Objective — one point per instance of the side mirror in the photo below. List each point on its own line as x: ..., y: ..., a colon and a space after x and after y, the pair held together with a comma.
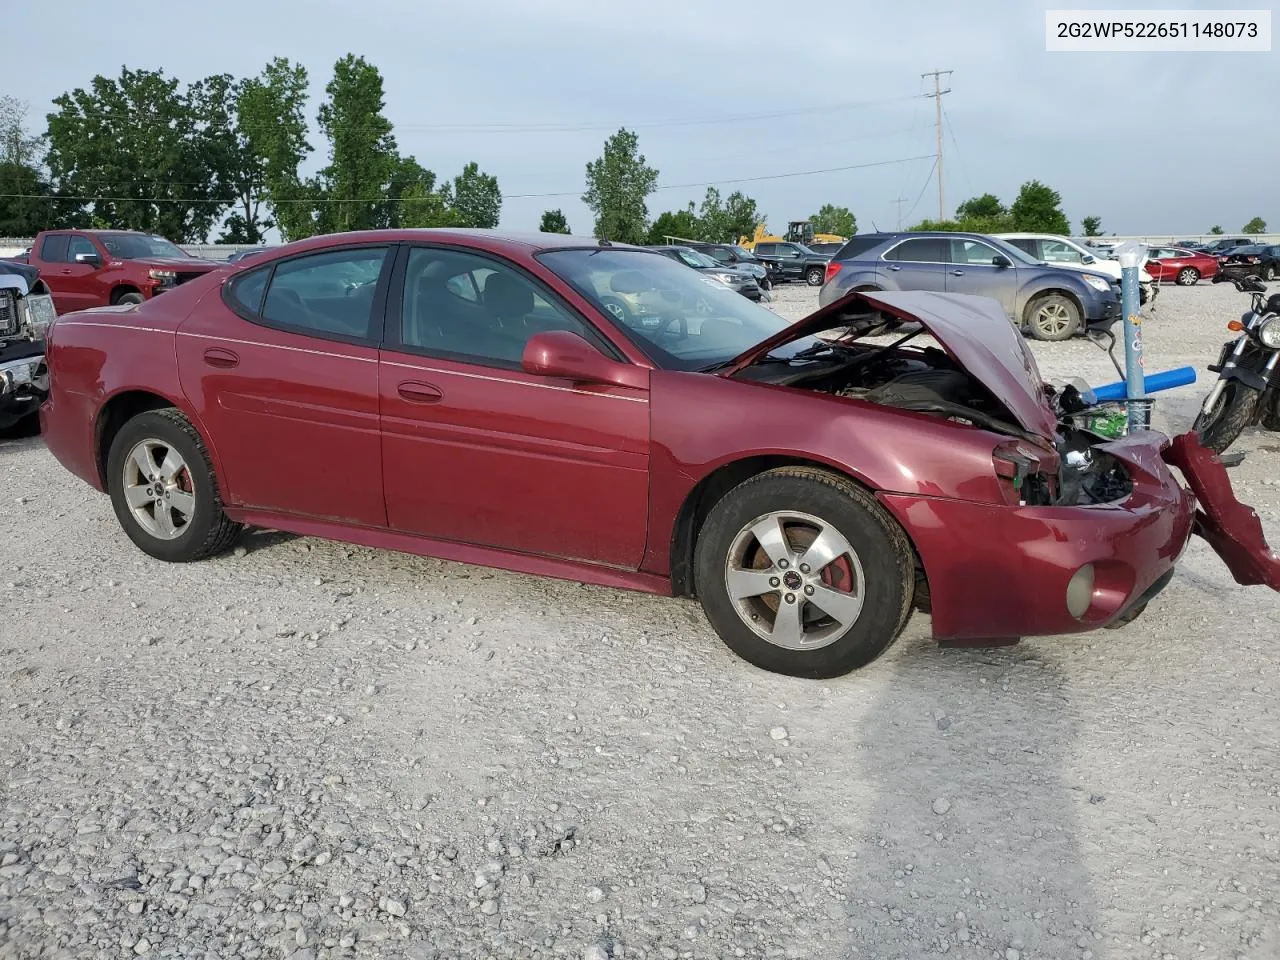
x: 1000, y: 260
x: 1088, y: 258
x: 559, y: 353
x: 90, y: 258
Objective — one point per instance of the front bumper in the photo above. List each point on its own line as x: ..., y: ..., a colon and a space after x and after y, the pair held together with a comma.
x: 24, y: 383
x: 998, y: 573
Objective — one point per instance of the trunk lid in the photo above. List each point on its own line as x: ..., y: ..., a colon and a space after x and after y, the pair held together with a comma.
x: 974, y: 331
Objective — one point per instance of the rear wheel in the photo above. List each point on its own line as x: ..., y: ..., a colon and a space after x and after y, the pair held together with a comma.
x: 163, y: 489
x: 1187, y: 277
x: 814, y: 276
x: 1053, y: 317
x: 1269, y: 272
x: 1235, y: 409
x: 801, y: 572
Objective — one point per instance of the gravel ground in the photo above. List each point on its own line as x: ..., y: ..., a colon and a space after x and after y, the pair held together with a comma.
x: 310, y: 750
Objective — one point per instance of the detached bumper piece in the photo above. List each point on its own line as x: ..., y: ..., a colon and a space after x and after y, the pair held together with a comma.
x: 1230, y: 527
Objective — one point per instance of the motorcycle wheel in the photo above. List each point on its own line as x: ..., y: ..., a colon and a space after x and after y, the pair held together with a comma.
x: 1235, y: 410
x: 1271, y: 411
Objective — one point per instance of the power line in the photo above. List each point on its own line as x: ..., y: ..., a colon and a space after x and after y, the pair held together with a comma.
x: 923, y: 189
x: 509, y: 196
x: 937, y: 100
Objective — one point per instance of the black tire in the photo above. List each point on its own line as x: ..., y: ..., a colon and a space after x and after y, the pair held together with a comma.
x: 1268, y: 272
x: 883, y: 553
x: 1235, y: 410
x: 1053, y: 318
x: 1187, y: 277
x: 815, y: 276
x: 207, y: 531
x: 132, y: 297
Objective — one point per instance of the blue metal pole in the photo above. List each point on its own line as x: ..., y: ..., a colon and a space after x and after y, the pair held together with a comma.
x: 1138, y: 406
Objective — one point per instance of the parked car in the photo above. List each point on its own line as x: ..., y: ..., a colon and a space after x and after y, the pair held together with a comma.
x: 477, y: 402
x: 252, y: 252
x: 1179, y: 265
x: 1262, y: 260
x: 731, y: 254
x: 1227, y: 244
x: 26, y: 310
x: 795, y: 261
x: 98, y: 268
x: 739, y: 279
x: 1053, y: 303
x: 1064, y: 252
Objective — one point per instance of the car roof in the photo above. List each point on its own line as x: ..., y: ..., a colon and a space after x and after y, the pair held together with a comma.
x: 494, y: 241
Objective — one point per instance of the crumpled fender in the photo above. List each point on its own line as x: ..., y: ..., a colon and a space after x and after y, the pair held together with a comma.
x: 1230, y: 527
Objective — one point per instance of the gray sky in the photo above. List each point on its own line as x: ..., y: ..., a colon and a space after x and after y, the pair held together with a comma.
x: 839, y: 81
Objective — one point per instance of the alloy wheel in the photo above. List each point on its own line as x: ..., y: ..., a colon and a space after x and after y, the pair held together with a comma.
x: 794, y: 580
x: 158, y: 489
x: 1053, y: 319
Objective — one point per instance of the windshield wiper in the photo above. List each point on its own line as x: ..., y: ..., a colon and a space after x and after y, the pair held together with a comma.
x: 805, y: 354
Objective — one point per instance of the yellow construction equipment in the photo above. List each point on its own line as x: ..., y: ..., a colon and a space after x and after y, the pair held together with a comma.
x: 798, y: 231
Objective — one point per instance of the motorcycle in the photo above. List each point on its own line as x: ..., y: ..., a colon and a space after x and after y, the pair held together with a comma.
x: 1248, y: 368
x: 26, y: 310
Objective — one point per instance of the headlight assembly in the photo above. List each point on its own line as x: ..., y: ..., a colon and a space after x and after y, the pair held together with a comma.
x: 1268, y: 333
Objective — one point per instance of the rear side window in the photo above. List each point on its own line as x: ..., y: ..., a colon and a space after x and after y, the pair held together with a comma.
x: 920, y: 250
x: 246, y: 290
x: 856, y: 247
x: 54, y: 249
x: 325, y: 293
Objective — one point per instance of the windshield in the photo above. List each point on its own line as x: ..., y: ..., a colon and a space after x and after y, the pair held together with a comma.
x: 695, y: 258
x: 137, y: 246
x: 682, y: 321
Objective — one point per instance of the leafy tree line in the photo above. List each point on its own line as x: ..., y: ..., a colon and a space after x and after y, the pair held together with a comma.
x: 143, y: 152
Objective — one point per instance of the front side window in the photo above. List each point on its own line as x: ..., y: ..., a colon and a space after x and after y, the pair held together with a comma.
x: 78, y: 245
x: 973, y: 252
x: 467, y: 306
x: 326, y: 294
x: 679, y: 318
x: 720, y: 254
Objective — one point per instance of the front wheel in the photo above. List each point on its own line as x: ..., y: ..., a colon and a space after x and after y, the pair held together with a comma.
x: 1222, y: 424
x: 1053, y: 318
x: 163, y: 489
x: 1187, y: 277
x: 1268, y: 272
x: 801, y: 572
x: 814, y: 276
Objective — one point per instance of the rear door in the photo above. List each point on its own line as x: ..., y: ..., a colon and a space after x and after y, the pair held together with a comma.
x: 283, y: 369
x: 917, y: 263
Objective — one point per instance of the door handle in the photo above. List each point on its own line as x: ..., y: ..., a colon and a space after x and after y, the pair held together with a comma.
x: 957, y: 273
x: 415, y: 391
x: 218, y: 357
x: 894, y: 267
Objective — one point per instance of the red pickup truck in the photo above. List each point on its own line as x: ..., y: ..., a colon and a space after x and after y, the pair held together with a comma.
x: 97, y: 268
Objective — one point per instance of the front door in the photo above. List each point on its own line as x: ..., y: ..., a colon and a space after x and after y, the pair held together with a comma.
x: 919, y: 263
x: 477, y: 451
x: 973, y: 270
x: 283, y: 370
x: 74, y: 285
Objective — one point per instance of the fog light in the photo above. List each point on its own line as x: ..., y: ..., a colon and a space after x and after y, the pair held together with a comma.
x: 1080, y: 592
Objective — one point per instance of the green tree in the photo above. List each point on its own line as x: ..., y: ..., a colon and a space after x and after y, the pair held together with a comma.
x: 353, y: 189
x: 676, y: 225
x: 712, y: 224
x: 1256, y: 225
x: 1092, y: 226
x: 618, y: 184
x: 985, y: 207
x: 1216, y: 230
x: 740, y: 217
x: 271, y: 119
x: 553, y: 221
x: 1038, y: 208
x: 26, y: 204
x: 17, y: 146
x: 414, y: 200
x: 833, y: 219
x: 134, y: 150
x: 476, y: 199
x: 951, y: 226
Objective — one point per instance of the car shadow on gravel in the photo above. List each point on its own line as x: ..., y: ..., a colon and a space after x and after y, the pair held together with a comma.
x: 963, y: 820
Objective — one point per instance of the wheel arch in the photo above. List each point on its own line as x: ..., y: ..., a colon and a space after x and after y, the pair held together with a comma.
x: 125, y: 404
x: 1049, y: 292
x: 120, y: 289
x: 712, y: 488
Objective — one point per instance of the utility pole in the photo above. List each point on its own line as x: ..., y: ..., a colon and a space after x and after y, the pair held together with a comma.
x: 937, y: 101
x: 899, y: 202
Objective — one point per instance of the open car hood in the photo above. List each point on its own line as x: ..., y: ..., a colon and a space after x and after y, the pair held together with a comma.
x: 973, y: 330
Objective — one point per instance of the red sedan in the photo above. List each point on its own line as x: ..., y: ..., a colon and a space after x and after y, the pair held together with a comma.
x: 1183, y: 267
x: 480, y: 397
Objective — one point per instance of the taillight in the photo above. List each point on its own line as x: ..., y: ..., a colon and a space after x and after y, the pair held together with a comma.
x: 832, y: 269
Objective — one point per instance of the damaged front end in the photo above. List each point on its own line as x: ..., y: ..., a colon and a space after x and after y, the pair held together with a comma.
x: 26, y: 311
